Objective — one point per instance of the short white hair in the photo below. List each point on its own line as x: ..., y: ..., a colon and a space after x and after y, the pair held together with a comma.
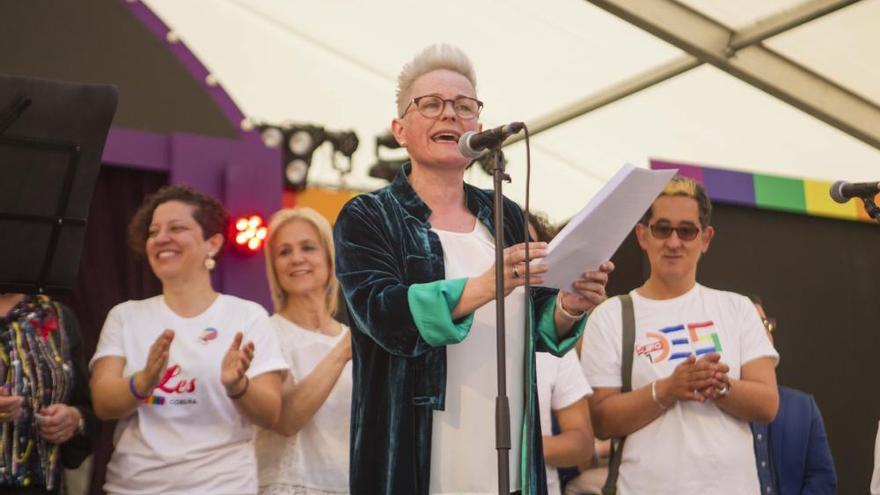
x: 434, y: 57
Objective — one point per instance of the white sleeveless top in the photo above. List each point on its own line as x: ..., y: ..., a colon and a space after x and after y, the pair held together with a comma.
x: 463, y: 455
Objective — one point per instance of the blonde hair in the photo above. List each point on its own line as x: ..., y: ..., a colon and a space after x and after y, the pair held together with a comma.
x: 325, y: 234
x: 689, y: 188
x: 434, y: 57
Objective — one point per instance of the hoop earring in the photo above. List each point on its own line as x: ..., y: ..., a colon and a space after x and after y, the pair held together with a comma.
x: 210, y: 264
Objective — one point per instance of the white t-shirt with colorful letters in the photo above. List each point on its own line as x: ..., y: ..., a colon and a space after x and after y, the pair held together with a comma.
x: 692, y: 448
x: 187, y: 437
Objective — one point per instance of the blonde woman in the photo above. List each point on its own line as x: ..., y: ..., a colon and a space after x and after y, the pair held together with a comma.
x: 306, y: 452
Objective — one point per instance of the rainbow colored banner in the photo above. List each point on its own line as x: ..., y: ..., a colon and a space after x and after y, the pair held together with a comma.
x: 772, y: 192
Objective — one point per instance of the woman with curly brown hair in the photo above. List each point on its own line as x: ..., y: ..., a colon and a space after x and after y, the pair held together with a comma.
x: 172, y: 368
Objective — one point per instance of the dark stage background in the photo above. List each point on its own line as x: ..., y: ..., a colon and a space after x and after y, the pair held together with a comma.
x: 816, y: 276
x: 109, y: 273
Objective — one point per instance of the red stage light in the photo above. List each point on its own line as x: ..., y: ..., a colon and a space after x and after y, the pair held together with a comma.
x: 248, y: 233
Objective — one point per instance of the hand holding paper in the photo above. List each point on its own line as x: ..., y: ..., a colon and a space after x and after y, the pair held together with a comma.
x: 595, y: 233
x: 589, y: 290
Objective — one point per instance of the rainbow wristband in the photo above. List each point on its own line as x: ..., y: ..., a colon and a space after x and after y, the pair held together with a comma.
x: 134, y: 391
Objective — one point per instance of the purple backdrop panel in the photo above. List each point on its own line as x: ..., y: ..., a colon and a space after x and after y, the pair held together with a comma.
x: 137, y: 149
x: 200, y: 161
x: 729, y: 186
x: 246, y: 177
x: 686, y: 170
x: 246, y: 192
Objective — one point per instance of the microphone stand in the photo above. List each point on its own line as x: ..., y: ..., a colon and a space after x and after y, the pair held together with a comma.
x: 872, y: 208
x: 502, y: 404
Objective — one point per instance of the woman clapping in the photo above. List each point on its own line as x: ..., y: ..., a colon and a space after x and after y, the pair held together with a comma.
x: 173, y: 370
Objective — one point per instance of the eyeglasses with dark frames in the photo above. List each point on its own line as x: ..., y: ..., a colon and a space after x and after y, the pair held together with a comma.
x: 684, y: 232
x: 432, y: 106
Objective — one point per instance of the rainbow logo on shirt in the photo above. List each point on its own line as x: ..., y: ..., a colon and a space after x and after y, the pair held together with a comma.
x: 208, y: 335
x: 703, y: 339
x: 155, y: 400
x: 179, y: 389
x: 679, y: 342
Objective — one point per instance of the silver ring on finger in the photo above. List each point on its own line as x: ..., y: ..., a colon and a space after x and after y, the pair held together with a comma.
x: 515, y: 272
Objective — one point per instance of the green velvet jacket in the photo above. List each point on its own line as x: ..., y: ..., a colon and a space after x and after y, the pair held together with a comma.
x: 390, y: 266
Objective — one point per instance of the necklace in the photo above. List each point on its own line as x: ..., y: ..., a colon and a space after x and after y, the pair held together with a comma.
x: 34, y: 364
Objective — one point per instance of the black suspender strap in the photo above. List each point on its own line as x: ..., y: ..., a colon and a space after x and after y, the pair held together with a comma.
x: 627, y: 345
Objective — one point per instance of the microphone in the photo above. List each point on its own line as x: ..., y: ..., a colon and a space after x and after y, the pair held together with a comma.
x: 842, y: 191
x: 472, y: 144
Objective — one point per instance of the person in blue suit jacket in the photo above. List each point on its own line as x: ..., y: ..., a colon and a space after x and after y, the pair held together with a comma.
x: 792, y: 452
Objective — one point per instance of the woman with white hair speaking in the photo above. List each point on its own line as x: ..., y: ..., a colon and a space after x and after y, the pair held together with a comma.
x: 416, y: 264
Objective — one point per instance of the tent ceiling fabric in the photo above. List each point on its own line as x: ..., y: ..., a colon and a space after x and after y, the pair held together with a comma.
x: 335, y: 63
x: 842, y: 46
x: 742, y: 13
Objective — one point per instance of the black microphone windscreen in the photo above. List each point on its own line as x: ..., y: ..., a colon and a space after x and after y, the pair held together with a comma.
x: 837, y: 192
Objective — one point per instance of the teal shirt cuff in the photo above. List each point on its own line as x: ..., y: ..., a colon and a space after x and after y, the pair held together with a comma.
x: 547, y: 330
x: 431, y: 307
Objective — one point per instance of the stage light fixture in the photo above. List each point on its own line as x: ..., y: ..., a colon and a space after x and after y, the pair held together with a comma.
x: 345, y: 142
x: 298, y: 143
x: 387, y: 140
x: 248, y: 233
x: 301, y: 142
x: 386, y: 169
x: 272, y: 137
x: 295, y: 172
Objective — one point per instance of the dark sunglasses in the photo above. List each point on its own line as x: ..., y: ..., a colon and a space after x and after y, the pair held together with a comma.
x: 684, y: 232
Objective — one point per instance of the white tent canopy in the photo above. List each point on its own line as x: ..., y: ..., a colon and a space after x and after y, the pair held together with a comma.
x: 334, y: 63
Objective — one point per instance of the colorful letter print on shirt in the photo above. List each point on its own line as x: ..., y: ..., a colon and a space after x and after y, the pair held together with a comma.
x: 679, y: 342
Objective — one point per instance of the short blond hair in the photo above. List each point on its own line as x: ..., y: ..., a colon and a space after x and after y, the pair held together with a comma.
x: 689, y: 188
x: 325, y: 235
x: 434, y: 57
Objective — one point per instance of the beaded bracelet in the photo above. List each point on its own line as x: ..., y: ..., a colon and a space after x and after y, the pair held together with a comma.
x: 134, y: 390
x: 566, y: 313
x: 239, y: 395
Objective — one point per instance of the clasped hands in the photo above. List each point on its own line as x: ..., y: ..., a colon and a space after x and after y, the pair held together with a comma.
x: 56, y: 423
x: 694, y: 379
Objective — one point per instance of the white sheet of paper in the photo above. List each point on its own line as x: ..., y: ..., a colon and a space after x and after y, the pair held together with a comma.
x: 594, y: 234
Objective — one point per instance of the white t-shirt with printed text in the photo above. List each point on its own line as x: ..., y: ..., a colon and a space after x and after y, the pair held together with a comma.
x: 692, y: 448
x: 463, y: 454
x: 561, y: 383
x: 315, y: 460
x: 188, y: 437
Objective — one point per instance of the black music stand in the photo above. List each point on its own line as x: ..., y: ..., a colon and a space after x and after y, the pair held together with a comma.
x: 52, y: 135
